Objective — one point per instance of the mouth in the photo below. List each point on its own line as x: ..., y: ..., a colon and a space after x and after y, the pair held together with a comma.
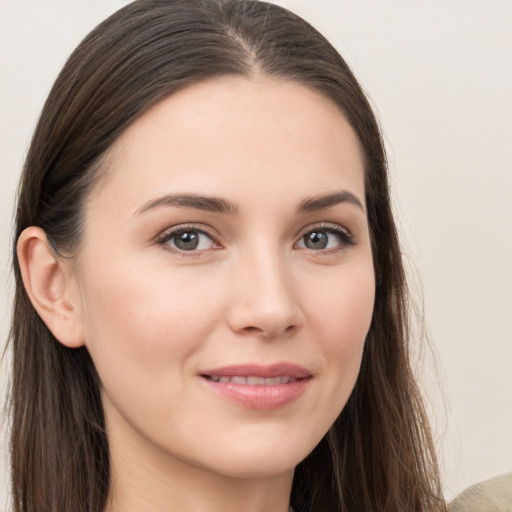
x: 253, y: 380
x: 259, y: 387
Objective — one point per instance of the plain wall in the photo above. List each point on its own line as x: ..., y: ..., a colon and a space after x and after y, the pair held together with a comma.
x: 440, y: 75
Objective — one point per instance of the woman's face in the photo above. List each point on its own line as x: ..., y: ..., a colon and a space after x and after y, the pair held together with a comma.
x: 225, y: 284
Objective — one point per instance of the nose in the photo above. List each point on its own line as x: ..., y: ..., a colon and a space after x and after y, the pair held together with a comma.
x: 264, y: 301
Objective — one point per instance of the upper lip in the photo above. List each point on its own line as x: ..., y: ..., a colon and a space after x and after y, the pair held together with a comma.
x: 255, y: 370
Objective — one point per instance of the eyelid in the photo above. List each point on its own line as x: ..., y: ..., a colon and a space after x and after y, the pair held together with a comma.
x: 343, y: 232
x: 333, y: 226
x: 168, y: 233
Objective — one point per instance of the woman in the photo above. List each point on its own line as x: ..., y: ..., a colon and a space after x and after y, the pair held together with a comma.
x: 210, y: 307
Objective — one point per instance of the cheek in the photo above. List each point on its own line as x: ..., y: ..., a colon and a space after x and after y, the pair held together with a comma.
x: 344, y: 310
x: 143, y: 318
x: 343, y: 314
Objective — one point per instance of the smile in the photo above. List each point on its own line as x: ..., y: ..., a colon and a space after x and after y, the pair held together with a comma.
x: 259, y: 387
x: 253, y: 380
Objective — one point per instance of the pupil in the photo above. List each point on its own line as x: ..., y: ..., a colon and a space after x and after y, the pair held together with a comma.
x: 316, y: 240
x: 187, y: 241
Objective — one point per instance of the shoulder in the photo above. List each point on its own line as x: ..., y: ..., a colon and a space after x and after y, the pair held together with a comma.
x: 494, y: 495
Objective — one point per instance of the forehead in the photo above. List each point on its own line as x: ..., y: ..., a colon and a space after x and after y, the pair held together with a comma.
x: 236, y: 136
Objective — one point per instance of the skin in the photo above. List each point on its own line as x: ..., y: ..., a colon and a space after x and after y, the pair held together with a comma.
x: 154, y: 318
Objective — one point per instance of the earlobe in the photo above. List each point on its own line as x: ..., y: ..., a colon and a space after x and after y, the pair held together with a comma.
x: 46, y: 283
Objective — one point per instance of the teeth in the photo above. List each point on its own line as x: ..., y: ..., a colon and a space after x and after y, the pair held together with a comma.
x: 254, y: 381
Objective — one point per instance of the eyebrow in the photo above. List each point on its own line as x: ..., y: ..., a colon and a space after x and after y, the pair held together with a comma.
x: 313, y: 204
x: 219, y: 205
x: 206, y: 203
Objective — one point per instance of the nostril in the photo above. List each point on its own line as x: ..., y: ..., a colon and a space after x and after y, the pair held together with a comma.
x: 253, y: 329
x: 260, y: 315
x: 269, y: 332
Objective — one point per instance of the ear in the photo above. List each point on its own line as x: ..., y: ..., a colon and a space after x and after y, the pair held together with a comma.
x: 47, y: 282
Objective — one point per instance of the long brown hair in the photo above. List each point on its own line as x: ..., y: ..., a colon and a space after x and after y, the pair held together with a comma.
x: 378, y: 456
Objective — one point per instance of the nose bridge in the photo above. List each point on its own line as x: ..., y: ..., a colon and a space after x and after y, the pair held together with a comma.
x: 264, y: 300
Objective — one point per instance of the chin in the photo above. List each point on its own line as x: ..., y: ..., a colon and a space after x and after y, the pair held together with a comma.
x: 259, y: 460
x: 257, y: 467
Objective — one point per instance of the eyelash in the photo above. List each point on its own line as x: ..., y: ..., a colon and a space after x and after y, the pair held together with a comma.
x: 167, y: 236
x: 346, y: 239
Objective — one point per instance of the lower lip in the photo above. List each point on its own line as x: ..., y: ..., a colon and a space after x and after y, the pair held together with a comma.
x: 260, y: 397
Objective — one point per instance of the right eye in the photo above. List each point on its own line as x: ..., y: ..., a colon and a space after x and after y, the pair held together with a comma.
x: 188, y: 240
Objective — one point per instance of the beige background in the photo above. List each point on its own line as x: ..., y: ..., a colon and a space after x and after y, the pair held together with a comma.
x: 440, y: 75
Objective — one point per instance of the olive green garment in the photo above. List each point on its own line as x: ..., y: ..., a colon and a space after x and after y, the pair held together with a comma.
x: 494, y: 495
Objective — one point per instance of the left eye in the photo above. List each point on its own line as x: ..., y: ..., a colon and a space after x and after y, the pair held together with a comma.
x: 321, y: 239
x: 189, y: 240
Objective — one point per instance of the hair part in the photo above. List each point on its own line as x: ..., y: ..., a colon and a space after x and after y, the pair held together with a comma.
x: 379, y: 453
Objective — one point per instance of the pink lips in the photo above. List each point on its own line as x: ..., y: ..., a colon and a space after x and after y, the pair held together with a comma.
x: 259, y: 387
